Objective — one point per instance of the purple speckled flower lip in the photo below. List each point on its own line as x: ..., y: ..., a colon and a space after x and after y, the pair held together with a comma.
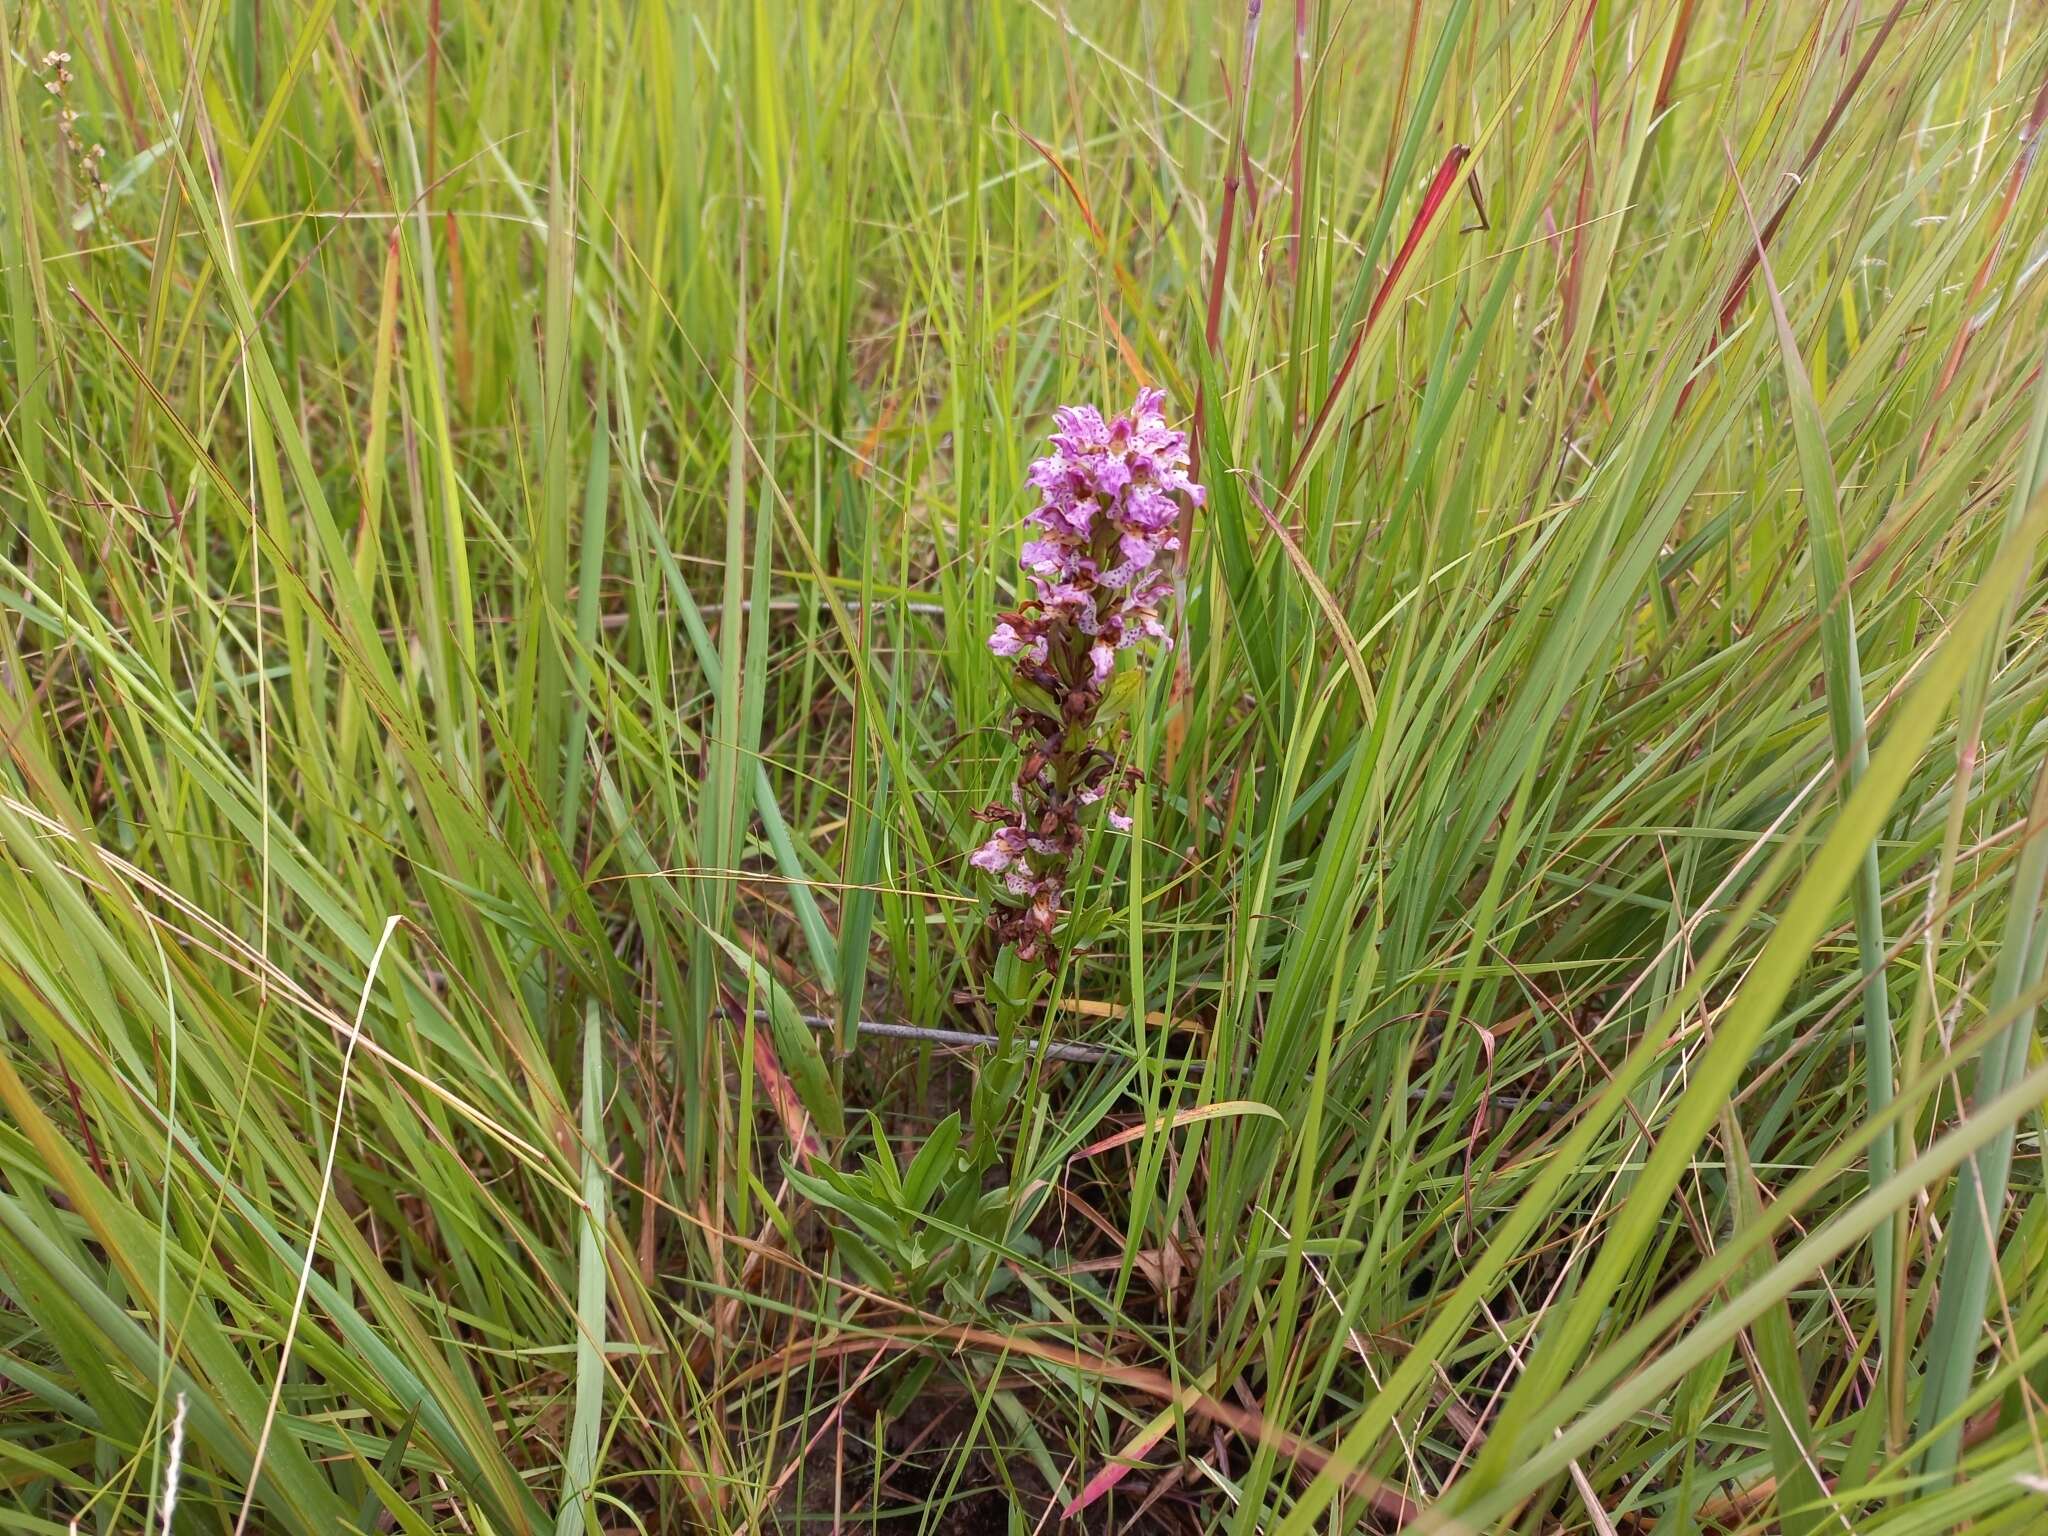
x: 1110, y: 500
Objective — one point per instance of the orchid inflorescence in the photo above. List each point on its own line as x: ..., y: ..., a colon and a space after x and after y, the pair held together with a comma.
x: 1111, y: 497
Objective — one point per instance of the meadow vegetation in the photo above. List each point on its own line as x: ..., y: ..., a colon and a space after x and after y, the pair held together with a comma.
x: 502, y: 509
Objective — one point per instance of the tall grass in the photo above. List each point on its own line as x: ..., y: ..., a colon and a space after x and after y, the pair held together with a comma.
x: 503, y: 508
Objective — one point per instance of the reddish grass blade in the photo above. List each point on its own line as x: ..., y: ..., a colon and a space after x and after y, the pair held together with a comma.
x: 1115, y: 1470
x: 1744, y: 273
x: 1066, y: 176
x: 1440, y: 188
x: 1124, y: 281
x: 1681, y: 34
x: 781, y: 1091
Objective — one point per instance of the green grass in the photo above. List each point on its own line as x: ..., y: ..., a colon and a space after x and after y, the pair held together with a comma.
x: 500, y: 527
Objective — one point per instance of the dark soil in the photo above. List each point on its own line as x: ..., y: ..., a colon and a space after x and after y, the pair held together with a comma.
x: 925, y: 1490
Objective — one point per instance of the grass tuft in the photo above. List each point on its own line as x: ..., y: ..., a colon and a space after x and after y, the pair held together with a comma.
x: 500, y: 513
